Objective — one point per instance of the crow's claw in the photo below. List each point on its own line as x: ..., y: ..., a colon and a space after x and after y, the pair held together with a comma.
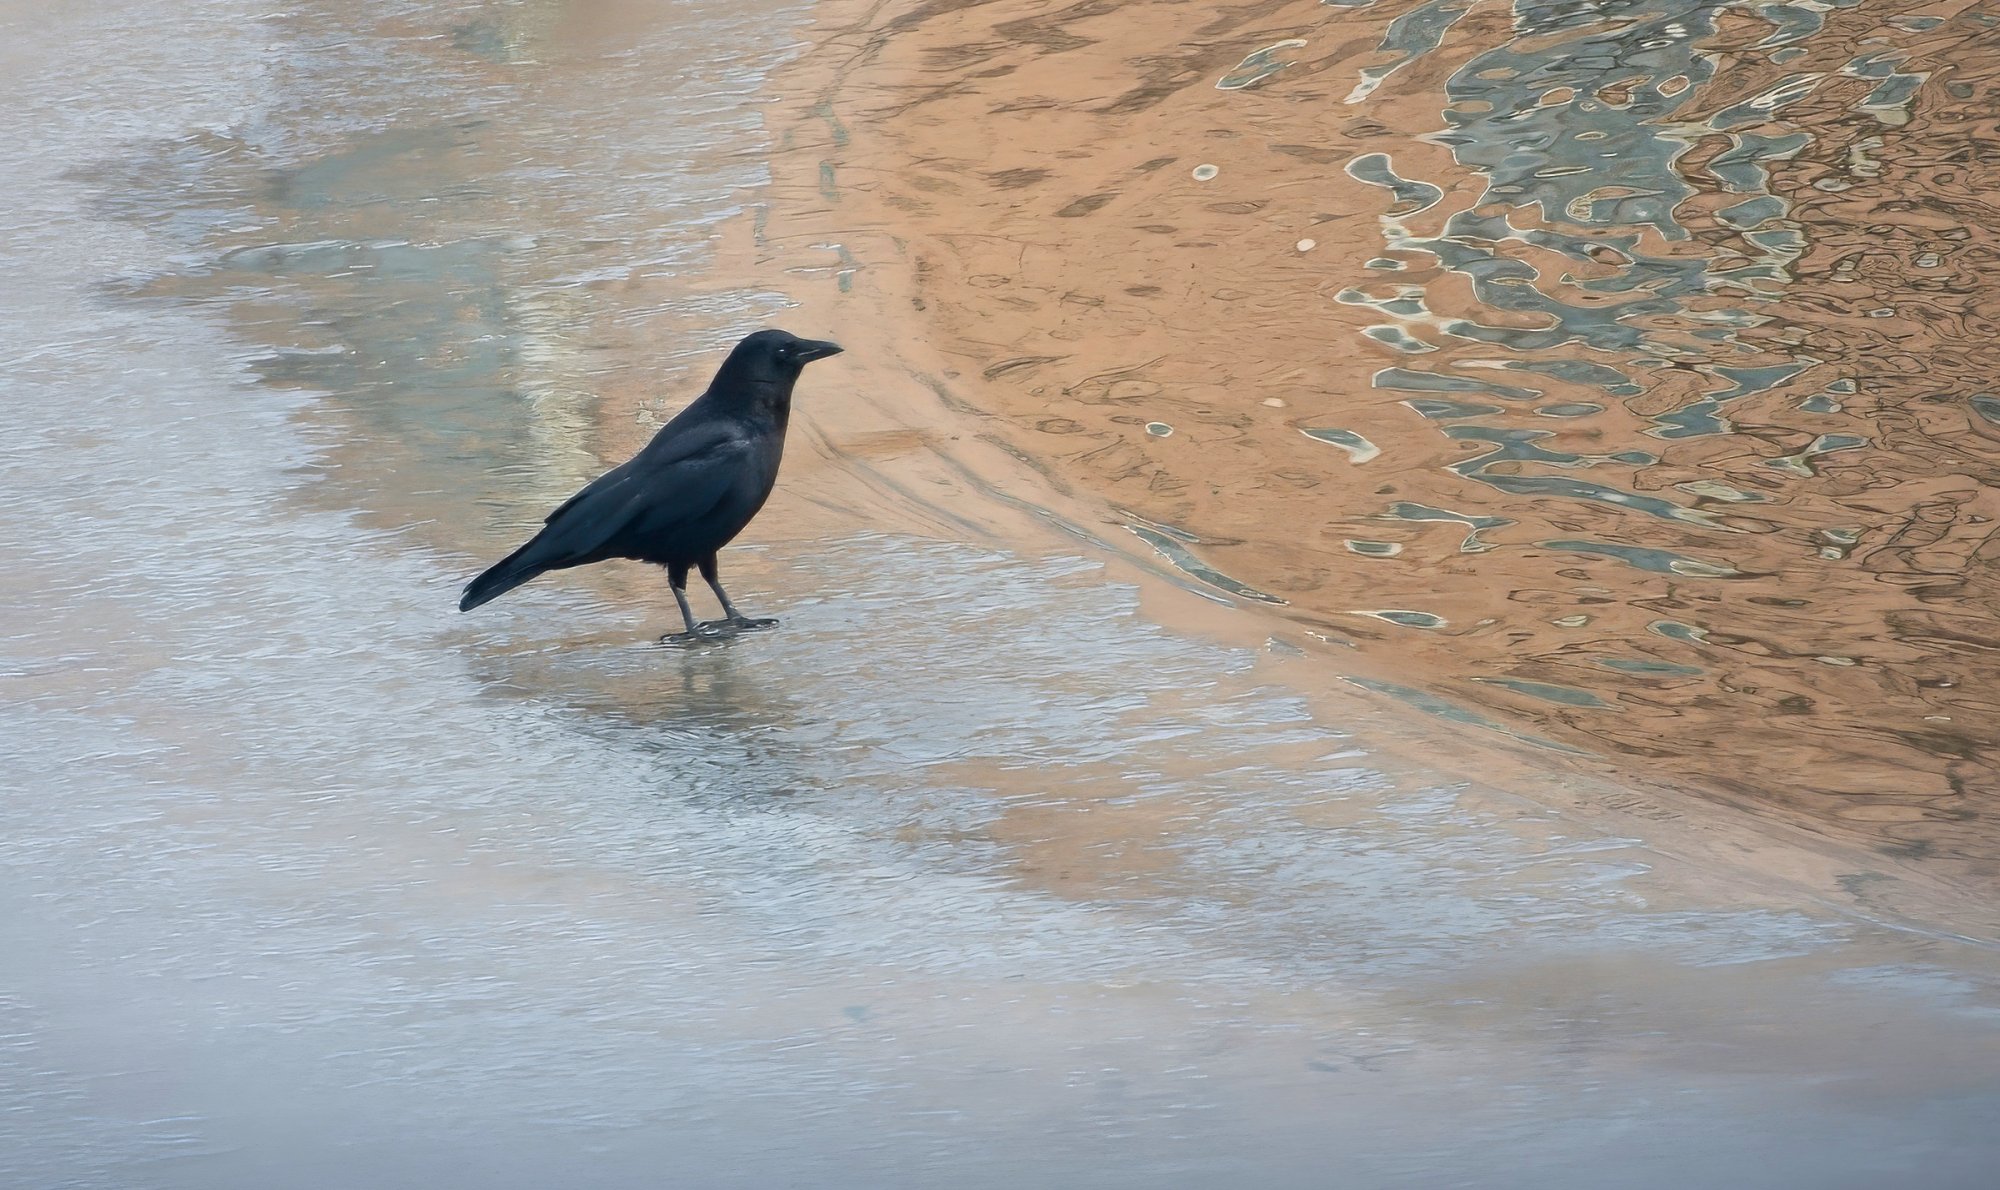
x: 702, y: 635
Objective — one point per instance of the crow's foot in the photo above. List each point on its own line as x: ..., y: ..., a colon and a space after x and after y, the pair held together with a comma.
x: 735, y: 624
x: 705, y: 634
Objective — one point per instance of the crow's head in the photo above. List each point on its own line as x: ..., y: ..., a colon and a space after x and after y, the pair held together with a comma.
x: 772, y: 357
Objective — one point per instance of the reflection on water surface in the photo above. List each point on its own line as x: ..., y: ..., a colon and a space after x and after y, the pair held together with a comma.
x: 1638, y: 353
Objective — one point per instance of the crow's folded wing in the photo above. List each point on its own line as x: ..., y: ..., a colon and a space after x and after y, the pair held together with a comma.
x: 670, y: 483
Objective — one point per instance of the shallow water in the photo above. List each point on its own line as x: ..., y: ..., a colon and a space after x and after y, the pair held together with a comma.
x: 970, y: 871
x: 1637, y: 240
x: 1633, y: 351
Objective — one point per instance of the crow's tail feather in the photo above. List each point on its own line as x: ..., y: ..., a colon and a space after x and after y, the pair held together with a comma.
x: 500, y: 578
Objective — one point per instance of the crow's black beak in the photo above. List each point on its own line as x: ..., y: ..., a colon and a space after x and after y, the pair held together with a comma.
x: 812, y: 349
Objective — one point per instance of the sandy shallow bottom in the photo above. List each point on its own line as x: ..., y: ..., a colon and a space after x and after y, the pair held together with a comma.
x: 1003, y: 862
x: 1617, y: 374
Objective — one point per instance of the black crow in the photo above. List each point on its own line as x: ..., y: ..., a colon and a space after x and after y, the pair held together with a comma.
x: 687, y: 494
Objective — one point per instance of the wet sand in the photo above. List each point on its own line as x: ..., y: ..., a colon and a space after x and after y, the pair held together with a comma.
x: 1682, y: 463
x: 1009, y: 860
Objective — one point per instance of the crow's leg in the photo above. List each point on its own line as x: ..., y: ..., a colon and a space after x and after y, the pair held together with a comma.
x: 677, y: 578
x: 735, y: 619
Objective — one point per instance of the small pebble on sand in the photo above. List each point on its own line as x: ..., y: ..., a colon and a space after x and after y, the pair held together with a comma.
x: 1203, y: 173
x: 1308, y: 245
